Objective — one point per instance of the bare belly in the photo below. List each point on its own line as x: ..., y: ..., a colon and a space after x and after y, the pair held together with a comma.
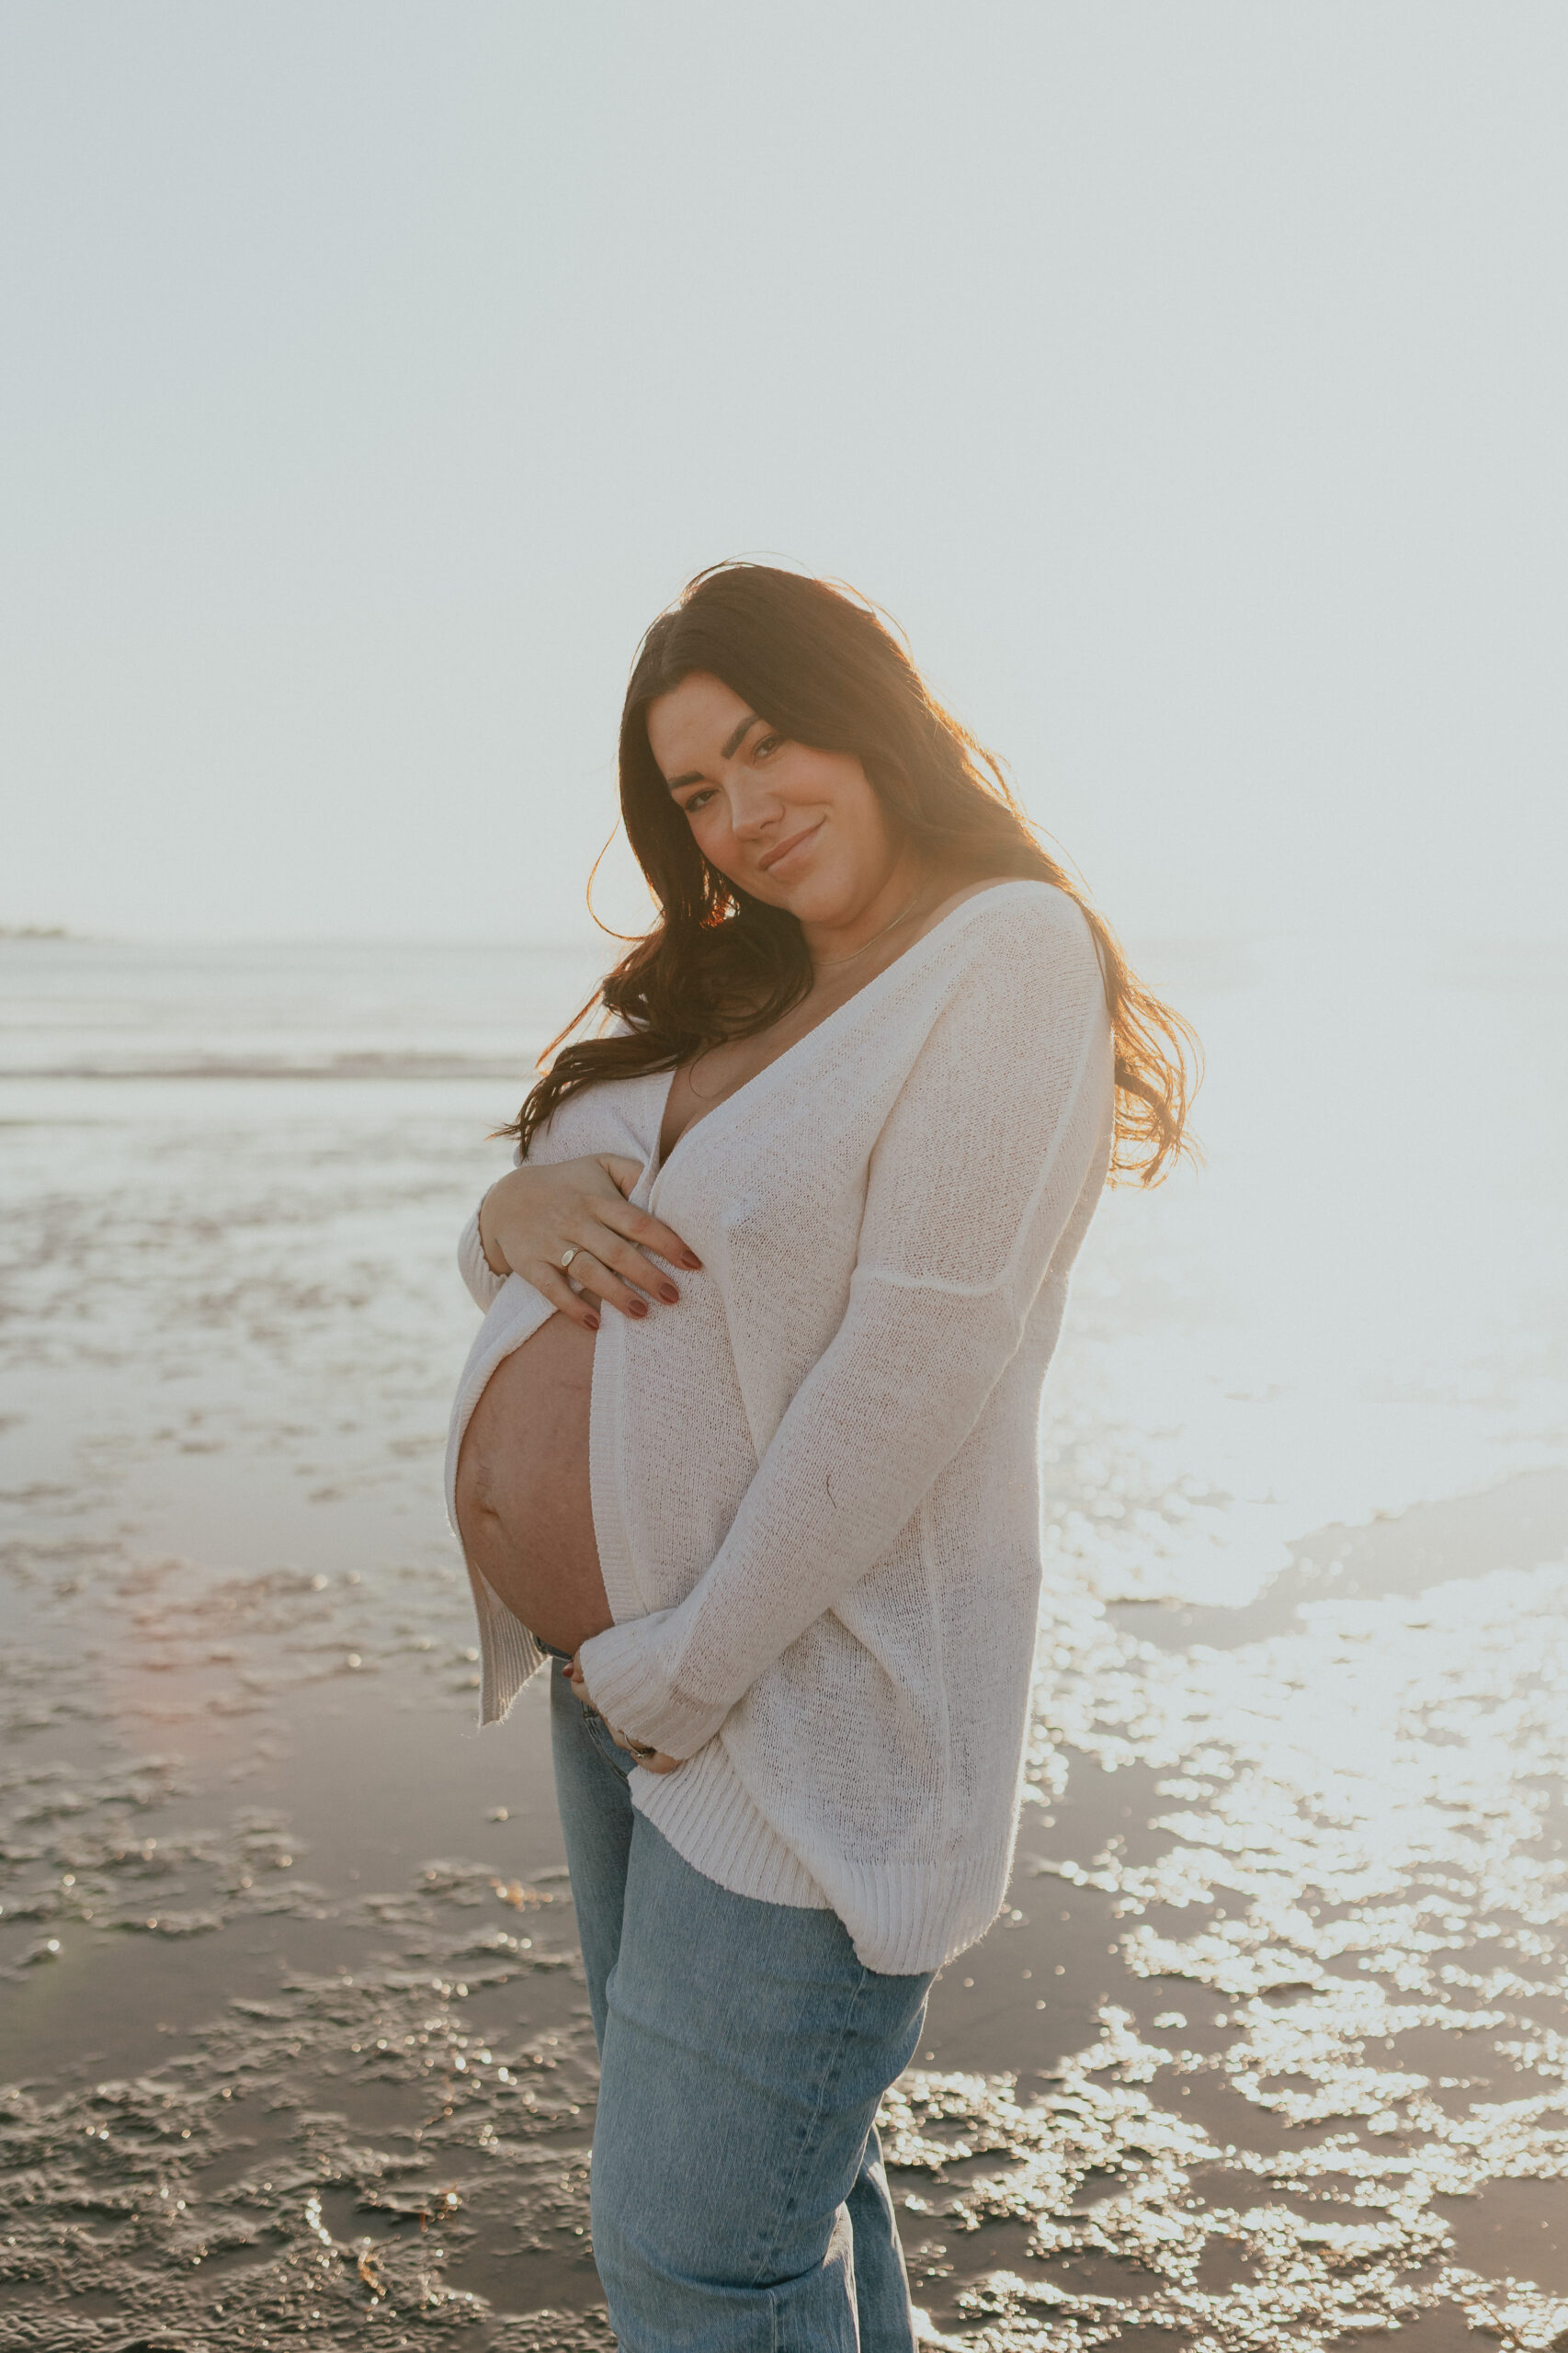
x: 524, y: 1509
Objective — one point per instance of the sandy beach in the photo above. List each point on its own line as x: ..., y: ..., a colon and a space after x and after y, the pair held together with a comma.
x: 1270, y: 2047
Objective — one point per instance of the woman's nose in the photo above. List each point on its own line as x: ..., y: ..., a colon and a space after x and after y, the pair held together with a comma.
x: 754, y: 810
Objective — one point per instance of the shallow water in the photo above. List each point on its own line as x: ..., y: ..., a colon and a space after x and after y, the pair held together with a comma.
x: 1270, y: 2046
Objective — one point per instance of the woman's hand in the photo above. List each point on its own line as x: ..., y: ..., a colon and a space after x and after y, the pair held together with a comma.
x: 652, y: 1760
x: 532, y: 1216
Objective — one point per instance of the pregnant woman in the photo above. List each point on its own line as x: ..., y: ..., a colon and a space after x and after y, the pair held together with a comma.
x: 748, y: 1439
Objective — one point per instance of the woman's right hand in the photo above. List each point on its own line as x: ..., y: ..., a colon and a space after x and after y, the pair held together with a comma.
x: 533, y: 1215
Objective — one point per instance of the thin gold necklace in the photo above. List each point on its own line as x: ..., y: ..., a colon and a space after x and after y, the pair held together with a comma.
x: 831, y: 964
x: 819, y: 964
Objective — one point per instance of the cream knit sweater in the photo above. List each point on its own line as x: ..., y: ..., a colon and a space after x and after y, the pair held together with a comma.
x: 815, y: 1487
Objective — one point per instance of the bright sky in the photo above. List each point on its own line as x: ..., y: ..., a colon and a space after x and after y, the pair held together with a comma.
x: 1190, y: 380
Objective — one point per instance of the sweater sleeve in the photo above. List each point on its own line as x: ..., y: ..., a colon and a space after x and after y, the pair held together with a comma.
x: 483, y: 1283
x: 972, y: 1182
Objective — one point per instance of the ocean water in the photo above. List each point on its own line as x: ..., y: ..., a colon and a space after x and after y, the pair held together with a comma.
x: 1270, y: 2046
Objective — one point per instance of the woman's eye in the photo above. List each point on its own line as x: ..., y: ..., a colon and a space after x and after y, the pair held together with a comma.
x: 767, y: 744
x: 696, y: 801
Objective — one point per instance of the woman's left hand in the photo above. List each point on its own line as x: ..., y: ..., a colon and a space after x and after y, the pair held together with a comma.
x: 652, y: 1760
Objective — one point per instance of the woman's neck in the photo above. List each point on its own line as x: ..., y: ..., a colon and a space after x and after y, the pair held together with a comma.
x: 885, y: 916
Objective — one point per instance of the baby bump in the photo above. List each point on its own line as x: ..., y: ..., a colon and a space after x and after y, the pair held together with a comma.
x: 523, y: 1503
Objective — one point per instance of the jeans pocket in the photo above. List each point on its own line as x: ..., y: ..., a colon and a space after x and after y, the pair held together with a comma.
x: 606, y: 1743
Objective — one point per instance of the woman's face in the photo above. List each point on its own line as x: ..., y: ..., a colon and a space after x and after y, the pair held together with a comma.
x: 794, y: 826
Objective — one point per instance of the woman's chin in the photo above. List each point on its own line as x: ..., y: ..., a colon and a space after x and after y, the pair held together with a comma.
x: 819, y: 902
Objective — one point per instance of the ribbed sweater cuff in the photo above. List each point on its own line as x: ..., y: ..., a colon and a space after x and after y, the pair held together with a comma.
x: 631, y: 1691
x: 483, y: 1283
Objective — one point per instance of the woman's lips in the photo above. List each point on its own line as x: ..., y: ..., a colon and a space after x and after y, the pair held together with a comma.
x: 786, y: 850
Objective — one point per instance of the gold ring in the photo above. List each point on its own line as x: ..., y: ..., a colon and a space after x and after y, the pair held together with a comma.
x: 567, y: 1256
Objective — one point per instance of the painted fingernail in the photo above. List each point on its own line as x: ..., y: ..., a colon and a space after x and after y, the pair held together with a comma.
x: 591, y: 1323
x: 668, y: 1293
x: 691, y: 1260
x: 638, y: 1307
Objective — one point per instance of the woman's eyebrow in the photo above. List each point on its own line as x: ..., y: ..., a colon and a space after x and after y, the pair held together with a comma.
x: 695, y: 776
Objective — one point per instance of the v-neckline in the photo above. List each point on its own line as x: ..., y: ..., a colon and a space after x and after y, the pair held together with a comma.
x: 662, y: 1159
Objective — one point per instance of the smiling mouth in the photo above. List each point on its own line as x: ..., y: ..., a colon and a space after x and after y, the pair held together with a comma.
x: 784, y: 849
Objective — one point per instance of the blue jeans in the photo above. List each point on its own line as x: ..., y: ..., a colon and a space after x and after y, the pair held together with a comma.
x: 739, y: 2203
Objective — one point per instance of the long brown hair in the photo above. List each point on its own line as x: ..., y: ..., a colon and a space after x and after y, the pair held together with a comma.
x: 821, y: 668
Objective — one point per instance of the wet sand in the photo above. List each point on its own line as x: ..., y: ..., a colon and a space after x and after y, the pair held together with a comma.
x: 1270, y: 2048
